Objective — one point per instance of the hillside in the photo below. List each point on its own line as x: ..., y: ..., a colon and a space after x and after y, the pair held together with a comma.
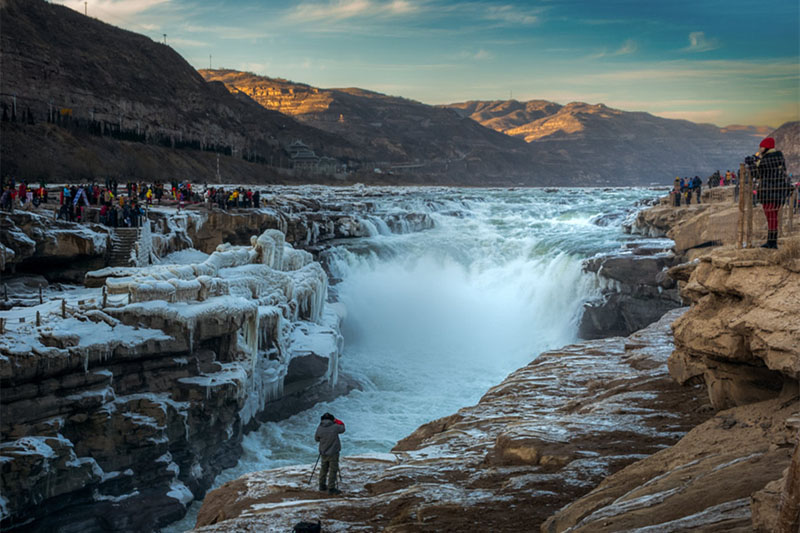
x: 120, y: 104
x: 577, y: 143
x: 390, y: 131
x: 603, y: 138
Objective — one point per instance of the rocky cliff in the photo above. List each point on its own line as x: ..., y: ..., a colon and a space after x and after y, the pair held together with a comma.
x: 635, y: 289
x: 738, y: 471
x: 136, y: 395
x: 544, y: 436
x: 123, y: 105
x: 32, y: 241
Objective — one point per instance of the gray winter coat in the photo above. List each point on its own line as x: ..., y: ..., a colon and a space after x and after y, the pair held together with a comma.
x: 328, y: 437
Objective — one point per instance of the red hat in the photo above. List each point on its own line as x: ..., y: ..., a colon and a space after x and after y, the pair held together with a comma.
x: 768, y: 143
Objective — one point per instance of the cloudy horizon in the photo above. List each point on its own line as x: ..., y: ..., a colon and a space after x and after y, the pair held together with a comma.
x: 714, y: 62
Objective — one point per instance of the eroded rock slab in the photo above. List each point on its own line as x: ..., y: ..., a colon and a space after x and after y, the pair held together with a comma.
x: 742, y: 334
x: 546, y: 435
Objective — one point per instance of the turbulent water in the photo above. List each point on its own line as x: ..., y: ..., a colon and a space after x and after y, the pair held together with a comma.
x: 435, y: 318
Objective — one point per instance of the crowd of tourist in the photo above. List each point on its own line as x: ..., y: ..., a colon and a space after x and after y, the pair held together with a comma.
x: 684, y: 189
x: 116, y: 205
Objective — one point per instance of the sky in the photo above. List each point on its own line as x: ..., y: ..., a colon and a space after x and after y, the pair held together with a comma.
x: 712, y: 61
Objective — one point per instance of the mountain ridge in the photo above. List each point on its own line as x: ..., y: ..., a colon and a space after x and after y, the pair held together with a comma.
x: 119, y: 104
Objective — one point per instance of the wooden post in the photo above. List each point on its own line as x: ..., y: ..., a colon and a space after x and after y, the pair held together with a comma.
x: 105, y: 297
x: 40, y: 295
x: 749, y: 211
x: 792, y: 205
x: 2, y: 326
x: 63, y: 308
x: 742, y: 196
x: 38, y: 319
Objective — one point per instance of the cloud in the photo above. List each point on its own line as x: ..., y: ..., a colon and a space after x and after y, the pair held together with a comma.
x: 480, y: 55
x: 628, y: 47
x: 255, y: 67
x: 112, y: 10
x: 704, y: 70
x: 698, y: 42
x: 185, y: 42
x: 338, y: 10
x: 512, y: 15
x: 705, y: 116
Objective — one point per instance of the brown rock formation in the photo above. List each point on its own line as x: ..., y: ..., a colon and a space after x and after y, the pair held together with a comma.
x: 742, y: 335
x: 544, y: 436
x: 636, y: 291
x: 738, y: 471
x: 703, y: 483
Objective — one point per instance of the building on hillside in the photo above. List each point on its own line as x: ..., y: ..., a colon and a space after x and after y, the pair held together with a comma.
x: 302, y: 156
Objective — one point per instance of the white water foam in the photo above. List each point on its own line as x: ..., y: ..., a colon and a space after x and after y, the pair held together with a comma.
x: 436, y: 318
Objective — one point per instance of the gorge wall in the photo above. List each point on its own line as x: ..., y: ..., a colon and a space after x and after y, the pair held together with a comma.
x: 135, y: 396
x: 544, y: 436
x: 741, y: 341
x: 134, y: 391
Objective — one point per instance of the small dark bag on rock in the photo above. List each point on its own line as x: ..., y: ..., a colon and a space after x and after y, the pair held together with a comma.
x: 308, y: 527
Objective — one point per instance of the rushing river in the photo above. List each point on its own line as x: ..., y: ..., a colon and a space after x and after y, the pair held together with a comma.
x: 436, y: 318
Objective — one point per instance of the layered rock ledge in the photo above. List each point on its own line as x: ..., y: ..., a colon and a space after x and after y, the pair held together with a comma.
x: 134, y: 396
x: 545, y: 436
x: 739, y: 471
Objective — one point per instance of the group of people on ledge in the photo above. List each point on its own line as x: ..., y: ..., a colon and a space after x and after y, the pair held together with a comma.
x: 774, y: 187
x: 684, y: 188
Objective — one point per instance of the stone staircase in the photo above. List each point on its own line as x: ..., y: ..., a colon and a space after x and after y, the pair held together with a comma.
x: 122, y: 242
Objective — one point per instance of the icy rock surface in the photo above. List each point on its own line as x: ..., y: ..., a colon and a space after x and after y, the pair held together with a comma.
x: 136, y: 395
x: 546, y: 435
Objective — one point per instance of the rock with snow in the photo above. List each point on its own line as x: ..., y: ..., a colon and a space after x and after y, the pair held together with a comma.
x: 135, y: 395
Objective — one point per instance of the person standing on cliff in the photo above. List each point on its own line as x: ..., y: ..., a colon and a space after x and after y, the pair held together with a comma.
x: 327, y: 435
x: 772, y: 186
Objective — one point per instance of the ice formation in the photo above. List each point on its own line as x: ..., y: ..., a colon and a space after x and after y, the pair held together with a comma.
x: 172, y: 357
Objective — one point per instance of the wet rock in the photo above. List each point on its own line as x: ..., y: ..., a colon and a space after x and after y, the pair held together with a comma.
x: 39, y: 243
x: 547, y: 434
x: 635, y: 292
x: 703, y: 483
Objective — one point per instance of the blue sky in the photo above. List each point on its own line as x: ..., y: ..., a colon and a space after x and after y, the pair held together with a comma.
x: 723, y: 62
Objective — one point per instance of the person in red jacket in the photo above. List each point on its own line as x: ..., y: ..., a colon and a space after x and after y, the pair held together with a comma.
x: 327, y: 435
x: 773, y: 187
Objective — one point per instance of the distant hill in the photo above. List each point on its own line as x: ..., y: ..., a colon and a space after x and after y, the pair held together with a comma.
x: 83, y: 100
x: 392, y: 131
x: 577, y: 143
x: 610, y: 141
x: 96, y: 100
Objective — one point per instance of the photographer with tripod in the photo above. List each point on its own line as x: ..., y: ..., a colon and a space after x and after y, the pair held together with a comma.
x: 327, y: 435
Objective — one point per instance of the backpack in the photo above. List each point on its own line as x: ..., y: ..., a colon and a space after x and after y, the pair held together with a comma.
x: 308, y: 527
